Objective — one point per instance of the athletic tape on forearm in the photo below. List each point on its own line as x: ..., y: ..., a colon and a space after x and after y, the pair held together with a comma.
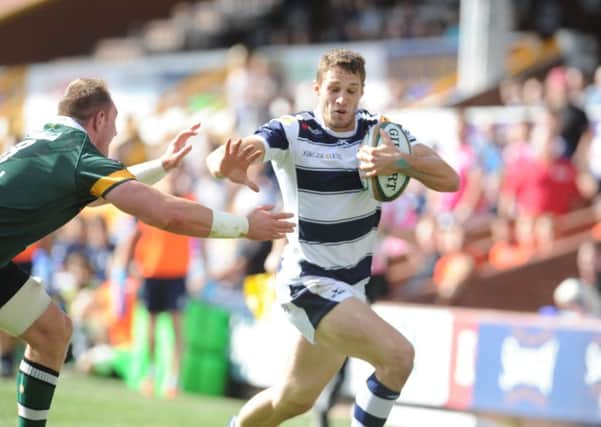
x: 149, y: 172
x: 228, y: 225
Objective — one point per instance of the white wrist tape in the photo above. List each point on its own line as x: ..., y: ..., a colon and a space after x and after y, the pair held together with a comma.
x: 228, y: 225
x: 148, y: 172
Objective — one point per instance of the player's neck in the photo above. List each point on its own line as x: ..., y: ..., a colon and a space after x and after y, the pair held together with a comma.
x: 339, y: 134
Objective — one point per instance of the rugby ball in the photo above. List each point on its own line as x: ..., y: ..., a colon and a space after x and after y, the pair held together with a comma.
x: 385, y: 188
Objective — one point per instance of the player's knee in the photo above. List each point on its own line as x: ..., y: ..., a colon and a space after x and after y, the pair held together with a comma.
x: 66, y: 331
x: 58, y: 335
x: 398, y: 362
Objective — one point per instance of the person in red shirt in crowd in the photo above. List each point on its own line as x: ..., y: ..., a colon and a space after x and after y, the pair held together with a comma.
x: 516, y: 153
x: 547, y: 183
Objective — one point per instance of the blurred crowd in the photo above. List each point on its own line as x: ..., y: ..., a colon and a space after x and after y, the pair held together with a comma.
x: 220, y: 23
x: 523, y: 178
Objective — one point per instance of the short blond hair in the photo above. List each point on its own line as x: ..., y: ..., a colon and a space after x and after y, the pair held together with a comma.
x: 346, y: 59
x: 83, y: 98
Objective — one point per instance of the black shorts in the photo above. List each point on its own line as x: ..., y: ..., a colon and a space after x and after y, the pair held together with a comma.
x: 11, y: 280
x: 164, y: 294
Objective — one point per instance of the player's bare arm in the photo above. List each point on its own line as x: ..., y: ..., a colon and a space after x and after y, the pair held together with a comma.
x: 423, y: 164
x: 232, y: 160
x: 182, y: 216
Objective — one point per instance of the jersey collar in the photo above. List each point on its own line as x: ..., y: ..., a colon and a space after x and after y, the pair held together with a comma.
x: 69, y: 122
x: 346, y: 134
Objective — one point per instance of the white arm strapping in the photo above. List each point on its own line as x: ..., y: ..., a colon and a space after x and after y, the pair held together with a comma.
x: 227, y: 225
x: 149, y: 172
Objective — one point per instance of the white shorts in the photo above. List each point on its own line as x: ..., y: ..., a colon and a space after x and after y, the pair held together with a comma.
x: 308, y: 299
x: 24, y: 308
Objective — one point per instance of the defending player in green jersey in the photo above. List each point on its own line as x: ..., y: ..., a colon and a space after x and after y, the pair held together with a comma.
x: 46, y: 179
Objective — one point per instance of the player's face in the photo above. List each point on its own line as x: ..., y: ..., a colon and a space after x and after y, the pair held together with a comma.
x: 107, y: 129
x: 338, y: 96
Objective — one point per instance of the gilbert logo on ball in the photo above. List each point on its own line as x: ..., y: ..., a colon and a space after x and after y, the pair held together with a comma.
x: 385, y: 188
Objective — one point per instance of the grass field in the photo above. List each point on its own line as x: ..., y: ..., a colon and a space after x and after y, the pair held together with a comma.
x: 82, y: 401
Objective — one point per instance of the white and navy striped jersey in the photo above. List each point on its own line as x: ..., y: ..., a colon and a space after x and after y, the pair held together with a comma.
x: 336, y: 218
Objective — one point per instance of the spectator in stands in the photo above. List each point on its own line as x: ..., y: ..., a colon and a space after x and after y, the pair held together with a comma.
x: 573, y: 124
x: 488, y: 143
x: 249, y: 87
x: 545, y: 234
x: 69, y: 238
x: 455, y: 267
x: 589, y: 264
x: 510, y: 92
x: 98, y: 245
x: 511, y: 248
x: 467, y: 202
x: 588, y: 159
x: 592, y: 95
x: 548, y: 182
x: 417, y: 271
x: 573, y: 297
x: 79, y: 282
x: 532, y: 92
x: 575, y: 86
x: 43, y: 266
x: 396, y: 231
x: 516, y: 155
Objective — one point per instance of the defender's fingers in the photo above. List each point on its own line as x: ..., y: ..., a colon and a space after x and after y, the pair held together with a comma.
x: 236, y: 146
x: 282, y: 215
x: 228, y: 147
x: 254, y: 156
x: 247, y: 150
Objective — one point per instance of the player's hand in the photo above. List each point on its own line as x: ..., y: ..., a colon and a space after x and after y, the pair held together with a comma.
x: 236, y: 161
x: 383, y: 159
x: 178, y: 148
x: 266, y: 225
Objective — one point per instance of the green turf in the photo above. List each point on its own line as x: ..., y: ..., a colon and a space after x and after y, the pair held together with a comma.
x: 82, y: 401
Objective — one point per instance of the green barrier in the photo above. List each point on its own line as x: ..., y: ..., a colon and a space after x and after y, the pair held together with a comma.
x: 206, y: 328
x: 164, y: 342
x: 205, y: 361
x: 204, y: 373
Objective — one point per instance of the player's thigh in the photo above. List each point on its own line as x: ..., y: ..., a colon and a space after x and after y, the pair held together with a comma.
x: 354, y: 329
x: 310, y: 368
x: 23, y: 299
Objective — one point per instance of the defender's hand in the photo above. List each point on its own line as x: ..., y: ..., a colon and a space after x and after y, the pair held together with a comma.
x: 178, y: 148
x: 266, y: 225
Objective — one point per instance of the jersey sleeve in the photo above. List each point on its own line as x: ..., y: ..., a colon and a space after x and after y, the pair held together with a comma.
x: 276, y: 136
x: 97, y: 174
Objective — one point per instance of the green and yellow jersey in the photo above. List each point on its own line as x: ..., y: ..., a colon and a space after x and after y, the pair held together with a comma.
x: 46, y: 179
